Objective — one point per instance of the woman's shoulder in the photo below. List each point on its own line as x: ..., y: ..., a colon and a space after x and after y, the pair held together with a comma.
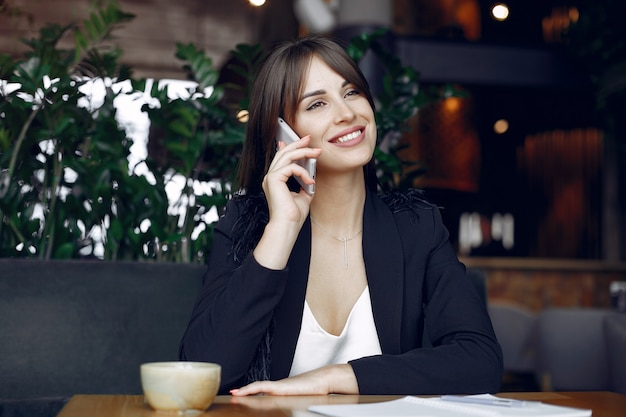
x: 243, y: 204
x: 411, y: 201
x: 248, y: 210
x: 414, y: 215
x: 244, y: 219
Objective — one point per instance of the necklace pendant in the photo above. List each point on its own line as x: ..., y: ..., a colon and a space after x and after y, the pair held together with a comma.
x: 345, y: 241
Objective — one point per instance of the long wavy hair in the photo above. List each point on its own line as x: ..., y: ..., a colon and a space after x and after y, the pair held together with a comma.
x: 276, y: 91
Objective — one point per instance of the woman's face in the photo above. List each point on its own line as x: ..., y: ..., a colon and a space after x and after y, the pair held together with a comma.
x: 339, y: 119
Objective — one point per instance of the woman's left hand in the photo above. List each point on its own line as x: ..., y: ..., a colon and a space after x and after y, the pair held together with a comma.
x: 331, y: 379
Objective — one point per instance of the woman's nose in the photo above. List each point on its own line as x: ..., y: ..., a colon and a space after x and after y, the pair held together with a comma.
x: 344, y: 113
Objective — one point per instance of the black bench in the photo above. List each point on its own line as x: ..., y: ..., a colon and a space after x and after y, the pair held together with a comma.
x: 84, y: 327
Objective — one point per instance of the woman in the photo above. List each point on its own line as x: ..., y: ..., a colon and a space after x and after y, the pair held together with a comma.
x: 331, y: 292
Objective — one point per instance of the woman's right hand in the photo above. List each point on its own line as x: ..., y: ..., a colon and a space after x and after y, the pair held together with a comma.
x: 287, y: 209
x: 290, y: 206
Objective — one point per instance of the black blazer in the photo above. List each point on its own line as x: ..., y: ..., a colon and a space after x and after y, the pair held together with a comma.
x: 415, y: 280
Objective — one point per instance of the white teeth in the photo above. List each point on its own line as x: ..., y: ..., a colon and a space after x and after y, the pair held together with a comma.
x: 348, y: 137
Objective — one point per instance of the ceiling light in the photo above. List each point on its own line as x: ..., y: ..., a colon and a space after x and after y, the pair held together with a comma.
x: 257, y: 3
x: 500, y: 11
x: 501, y: 126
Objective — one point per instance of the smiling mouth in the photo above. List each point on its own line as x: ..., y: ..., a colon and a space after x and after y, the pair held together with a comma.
x: 348, y: 137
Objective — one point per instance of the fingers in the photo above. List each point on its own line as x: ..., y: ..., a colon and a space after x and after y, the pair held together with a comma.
x: 259, y: 387
x: 285, y: 165
x: 287, y: 386
x: 339, y: 379
x: 288, y: 155
x: 267, y: 388
x: 285, y: 206
x: 309, y: 383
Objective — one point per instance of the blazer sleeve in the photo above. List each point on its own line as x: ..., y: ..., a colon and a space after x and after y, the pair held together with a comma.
x: 234, y: 307
x: 465, y: 356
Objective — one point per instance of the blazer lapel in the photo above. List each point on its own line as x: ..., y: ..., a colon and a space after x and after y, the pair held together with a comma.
x: 383, y: 255
x: 288, y: 313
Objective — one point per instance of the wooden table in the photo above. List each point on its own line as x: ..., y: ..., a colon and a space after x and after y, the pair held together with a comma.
x: 603, y: 404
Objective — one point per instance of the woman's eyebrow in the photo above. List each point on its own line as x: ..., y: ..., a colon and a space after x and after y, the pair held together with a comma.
x: 312, y: 93
x: 320, y: 92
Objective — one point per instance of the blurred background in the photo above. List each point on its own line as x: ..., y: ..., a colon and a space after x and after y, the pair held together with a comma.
x: 526, y: 164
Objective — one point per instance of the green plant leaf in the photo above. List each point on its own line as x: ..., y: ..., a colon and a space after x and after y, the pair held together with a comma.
x: 64, y: 251
x: 7, y: 66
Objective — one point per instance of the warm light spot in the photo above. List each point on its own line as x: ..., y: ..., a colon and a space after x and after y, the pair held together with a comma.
x: 501, y: 126
x: 500, y: 11
x: 257, y: 3
x: 452, y: 104
x: 573, y: 14
x: 243, y: 115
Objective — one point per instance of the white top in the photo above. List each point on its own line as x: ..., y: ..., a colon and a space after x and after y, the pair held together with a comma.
x: 316, y: 347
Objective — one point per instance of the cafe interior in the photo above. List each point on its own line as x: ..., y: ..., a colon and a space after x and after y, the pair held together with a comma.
x: 526, y: 164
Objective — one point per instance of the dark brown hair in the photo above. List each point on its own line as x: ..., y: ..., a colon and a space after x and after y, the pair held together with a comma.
x: 276, y: 91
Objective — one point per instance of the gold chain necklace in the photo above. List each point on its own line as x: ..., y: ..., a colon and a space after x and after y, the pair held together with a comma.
x: 345, y: 241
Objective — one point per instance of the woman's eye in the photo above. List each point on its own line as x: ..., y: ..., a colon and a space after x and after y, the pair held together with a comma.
x: 315, y: 105
x: 352, y: 93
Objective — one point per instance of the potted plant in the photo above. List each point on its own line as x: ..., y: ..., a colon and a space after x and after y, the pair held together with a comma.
x: 66, y: 190
x: 65, y: 184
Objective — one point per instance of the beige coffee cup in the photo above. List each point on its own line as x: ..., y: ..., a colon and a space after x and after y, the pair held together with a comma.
x: 180, y: 386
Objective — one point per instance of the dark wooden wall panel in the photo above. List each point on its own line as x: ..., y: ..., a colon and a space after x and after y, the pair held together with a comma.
x: 149, y: 41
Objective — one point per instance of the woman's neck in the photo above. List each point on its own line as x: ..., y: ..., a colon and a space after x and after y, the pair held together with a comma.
x: 338, y: 203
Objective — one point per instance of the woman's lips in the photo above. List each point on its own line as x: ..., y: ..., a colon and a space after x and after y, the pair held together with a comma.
x: 350, y: 138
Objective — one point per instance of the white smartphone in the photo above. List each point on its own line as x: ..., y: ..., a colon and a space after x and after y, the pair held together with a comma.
x: 287, y: 135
